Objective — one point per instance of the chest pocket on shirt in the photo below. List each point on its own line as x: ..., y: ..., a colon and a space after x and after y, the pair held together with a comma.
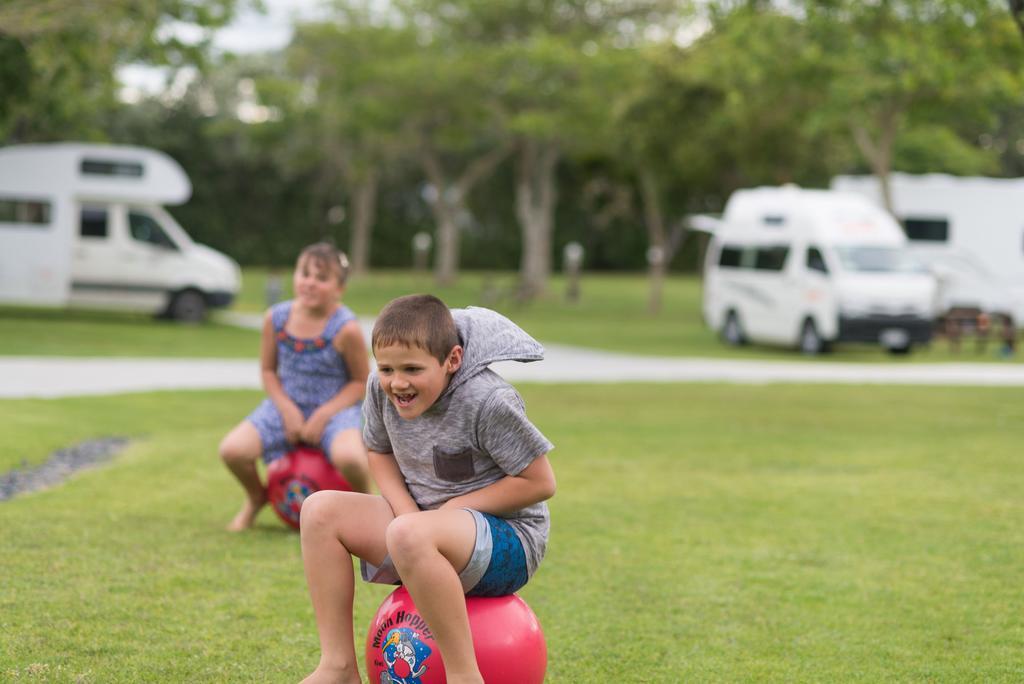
x: 454, y: 465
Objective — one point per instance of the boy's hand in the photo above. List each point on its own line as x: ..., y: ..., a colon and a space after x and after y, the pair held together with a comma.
x: 293, y: 421
x: 313, y: 430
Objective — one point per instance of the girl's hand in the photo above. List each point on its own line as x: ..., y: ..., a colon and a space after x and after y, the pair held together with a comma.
x: 293, y: 421
x: 313, y: 430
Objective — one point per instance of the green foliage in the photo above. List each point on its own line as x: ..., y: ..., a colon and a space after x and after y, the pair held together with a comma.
x: 894, y: 65
x: 771, y: 92
x: 735, y: 540
x: 769, y: 128
x: 14, y: 62
x: 925, y: 149
x: 60, y: 83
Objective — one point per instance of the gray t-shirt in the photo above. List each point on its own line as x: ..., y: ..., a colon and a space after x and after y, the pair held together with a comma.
x: 475, y: 434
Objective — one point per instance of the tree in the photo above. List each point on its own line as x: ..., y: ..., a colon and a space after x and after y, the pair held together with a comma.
x: 902, y: 64
x: 59, y: 58
x: 349, y: 109
x: 657, y: 120
x: 459, y: 139
x: 252, y: 196
x: 545, y: 60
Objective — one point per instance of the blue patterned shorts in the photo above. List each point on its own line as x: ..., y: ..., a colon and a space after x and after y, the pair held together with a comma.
x: 497, y: 566
x: 498, y: 559
x: 269, y: 424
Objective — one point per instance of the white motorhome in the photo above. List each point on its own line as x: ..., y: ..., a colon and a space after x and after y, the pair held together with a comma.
x: 970, y: 231
x: 83, y: 225
x: 807, y: 268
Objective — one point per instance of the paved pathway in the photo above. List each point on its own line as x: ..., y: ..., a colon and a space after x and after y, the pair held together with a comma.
x: 25, y: 376
x: 67, y: 376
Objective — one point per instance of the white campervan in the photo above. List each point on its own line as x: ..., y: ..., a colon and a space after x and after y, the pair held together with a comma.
x: 807, y: 268
x: 969, y: 230
x: 83, y: 225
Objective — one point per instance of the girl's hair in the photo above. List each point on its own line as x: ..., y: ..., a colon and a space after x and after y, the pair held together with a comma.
x: 419, y: 320
x: 328, y: 257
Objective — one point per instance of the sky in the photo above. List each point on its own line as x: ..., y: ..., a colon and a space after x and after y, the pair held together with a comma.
x: 251, y: 31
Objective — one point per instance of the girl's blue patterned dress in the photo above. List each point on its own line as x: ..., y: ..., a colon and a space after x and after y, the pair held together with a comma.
x: 311, y: 372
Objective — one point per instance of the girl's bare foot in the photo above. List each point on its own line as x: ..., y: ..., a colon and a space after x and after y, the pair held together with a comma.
x: 332, y: 675
x: 244, y: 518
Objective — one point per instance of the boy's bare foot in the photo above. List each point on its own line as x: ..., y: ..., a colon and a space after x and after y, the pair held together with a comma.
x: 244, y: 518
x: 329, y: 675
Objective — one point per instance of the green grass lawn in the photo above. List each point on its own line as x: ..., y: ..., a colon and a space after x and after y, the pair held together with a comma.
x: 55, y: 332
x: 611, y: 315
x: 721, y: 533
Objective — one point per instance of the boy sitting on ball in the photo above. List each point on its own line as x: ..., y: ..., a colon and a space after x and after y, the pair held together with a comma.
x: 463, y: 476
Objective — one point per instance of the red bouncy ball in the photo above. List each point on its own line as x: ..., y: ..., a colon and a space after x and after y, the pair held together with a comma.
x: 296, y: 475
x: 507, y: 638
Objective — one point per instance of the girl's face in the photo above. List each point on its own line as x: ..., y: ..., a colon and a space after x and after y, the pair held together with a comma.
x: 317, y: 287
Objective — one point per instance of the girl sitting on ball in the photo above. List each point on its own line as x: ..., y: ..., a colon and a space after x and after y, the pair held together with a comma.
x: 314, y: 365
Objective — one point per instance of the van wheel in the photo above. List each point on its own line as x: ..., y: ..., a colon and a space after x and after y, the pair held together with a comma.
x: 732, y: 331
x: 811, y: 342
x: 188, y: 306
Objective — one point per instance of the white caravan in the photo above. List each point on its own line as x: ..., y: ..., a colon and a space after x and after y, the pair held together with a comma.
x: 82, y: 225
x: 808, y: 268
x: 970, y: 231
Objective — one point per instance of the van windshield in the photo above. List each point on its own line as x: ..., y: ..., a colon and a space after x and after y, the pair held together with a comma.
x: 878, y: 260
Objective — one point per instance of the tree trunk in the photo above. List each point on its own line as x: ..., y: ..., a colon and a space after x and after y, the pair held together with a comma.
x: 446, y: 265
x: 445, y: 208
x: 879, y: 153
x: 657, y: 253
x: 535, y: 204
x: 451, y: 203
x: 364, y: 214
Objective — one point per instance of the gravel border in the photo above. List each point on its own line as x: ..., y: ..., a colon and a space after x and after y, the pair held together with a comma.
x: 61, y: 465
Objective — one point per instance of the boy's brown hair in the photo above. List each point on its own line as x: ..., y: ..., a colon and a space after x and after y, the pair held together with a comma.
x: 419, y: 320
x: 328, y: 257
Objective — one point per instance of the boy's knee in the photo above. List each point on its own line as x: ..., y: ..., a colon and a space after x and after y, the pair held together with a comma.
x: 404, y: 537
x: 317, y: 509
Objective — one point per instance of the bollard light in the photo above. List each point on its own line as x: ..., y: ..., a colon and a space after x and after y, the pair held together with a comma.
x: 421, y: 243
x: 572, y: 261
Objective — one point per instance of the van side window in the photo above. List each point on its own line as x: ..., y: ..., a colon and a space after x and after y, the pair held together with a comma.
x: 144, y: 228
x: 815, y: 261
x: 24, y: 211
x: 771, y: 258
x: 926, y: 229
x: 93, y: 223
x: 730, y: 257
x: 110, y: 167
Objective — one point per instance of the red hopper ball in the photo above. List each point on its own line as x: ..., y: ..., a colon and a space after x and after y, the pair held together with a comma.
x: 296, y: 475
x: 507, y: 638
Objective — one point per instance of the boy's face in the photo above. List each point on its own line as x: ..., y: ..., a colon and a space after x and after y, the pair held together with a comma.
x: 412, y: 378
x: 316, y: 287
